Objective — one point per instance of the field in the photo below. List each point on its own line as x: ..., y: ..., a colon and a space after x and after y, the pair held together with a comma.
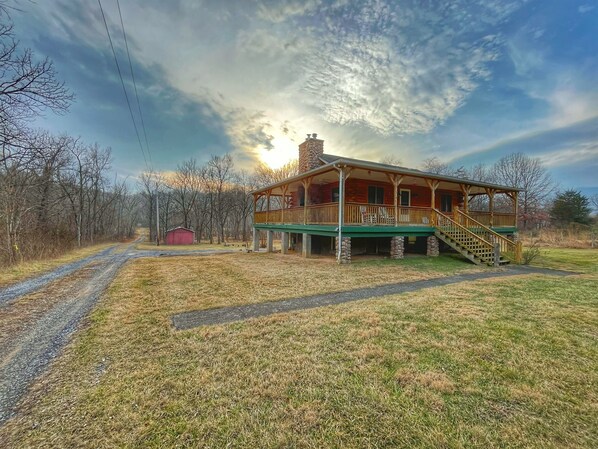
x: 16, y: 273
x: 494, y: 363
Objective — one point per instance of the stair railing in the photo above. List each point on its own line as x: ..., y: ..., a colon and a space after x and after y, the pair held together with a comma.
x: 450, y: 227
x: 512, y: 250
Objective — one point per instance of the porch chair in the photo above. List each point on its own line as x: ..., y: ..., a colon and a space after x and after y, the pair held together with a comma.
x: 367, y: 218
x: 385, y: 217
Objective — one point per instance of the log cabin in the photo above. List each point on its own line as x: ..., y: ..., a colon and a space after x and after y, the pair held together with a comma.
x: 348, y: 207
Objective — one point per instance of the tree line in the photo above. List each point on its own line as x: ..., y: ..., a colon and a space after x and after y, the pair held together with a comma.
x: 55, y: 191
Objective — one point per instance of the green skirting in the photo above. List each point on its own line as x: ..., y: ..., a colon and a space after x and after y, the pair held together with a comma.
x: 361, y: 231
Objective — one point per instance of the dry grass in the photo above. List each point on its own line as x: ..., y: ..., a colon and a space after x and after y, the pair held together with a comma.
x: 574, y: 236
x: 223, y: 280
x: 196, y: 246
x: 19, y: 272
x: 488, y: 364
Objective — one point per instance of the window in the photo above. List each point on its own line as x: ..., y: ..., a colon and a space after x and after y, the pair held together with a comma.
x: 335, y: 195
x: 446, y: 203
x: 405, y: 198
x: 375, y: 195
x: 301, y: 195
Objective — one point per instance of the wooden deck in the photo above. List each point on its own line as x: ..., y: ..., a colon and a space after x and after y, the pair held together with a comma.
x: 356, y: 214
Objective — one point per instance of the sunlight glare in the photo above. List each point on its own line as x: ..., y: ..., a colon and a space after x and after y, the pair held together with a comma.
x: 284, y: 151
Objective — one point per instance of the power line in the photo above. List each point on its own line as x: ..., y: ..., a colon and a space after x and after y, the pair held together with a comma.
x: 134, y: 84
x: 123, y: 84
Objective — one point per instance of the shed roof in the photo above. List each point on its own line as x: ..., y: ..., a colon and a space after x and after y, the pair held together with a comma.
x: 180, y: 227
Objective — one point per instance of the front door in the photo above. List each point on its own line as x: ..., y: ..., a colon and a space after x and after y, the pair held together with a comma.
x: 446, y: 203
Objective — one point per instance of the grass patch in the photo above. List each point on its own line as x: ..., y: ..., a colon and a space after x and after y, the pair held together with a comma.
x: 498, y: 363
x: 22, y: 271
x: 580, y: 260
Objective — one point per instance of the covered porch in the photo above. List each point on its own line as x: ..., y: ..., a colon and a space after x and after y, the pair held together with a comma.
x: 357, y: 195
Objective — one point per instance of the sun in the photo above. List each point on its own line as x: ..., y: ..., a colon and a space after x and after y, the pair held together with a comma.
x: 284, y: 151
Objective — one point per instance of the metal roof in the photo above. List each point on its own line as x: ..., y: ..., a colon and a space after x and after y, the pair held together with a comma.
x: 330, y: 162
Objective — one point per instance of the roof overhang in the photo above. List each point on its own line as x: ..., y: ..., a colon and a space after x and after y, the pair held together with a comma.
x: 383, y: 168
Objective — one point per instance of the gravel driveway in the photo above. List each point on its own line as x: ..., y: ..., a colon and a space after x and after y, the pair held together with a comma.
x: 38, y: 316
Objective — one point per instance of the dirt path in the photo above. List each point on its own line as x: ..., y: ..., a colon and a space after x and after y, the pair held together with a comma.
x: 39, y: 315
x: 223, y: 315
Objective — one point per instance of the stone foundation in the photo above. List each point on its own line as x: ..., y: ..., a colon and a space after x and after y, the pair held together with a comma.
x: 284, y: 245
x: 397, y: 247
x: 306, y: 245
x: 256, y: 240
x: 269, y: 241
x: 345, y: 256
x: 433, y: 246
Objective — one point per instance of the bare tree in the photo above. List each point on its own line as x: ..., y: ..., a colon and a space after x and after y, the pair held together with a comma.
x: 435, y: 165
x: 519, y: 170
x: 265, y: 175
x: 391, y: 160
x: 27, y: 88
x: 186, y: 187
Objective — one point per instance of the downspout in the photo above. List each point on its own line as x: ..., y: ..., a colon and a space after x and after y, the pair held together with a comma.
x: 341, y: 210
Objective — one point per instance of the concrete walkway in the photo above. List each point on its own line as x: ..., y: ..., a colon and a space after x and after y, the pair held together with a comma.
x: 189, y: 320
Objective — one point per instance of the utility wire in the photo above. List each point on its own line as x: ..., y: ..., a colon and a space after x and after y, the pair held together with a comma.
x: 123, y: 84
x: 134, y: 84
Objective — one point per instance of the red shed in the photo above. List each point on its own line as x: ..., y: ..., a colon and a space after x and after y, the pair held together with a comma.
x: 180, y: 236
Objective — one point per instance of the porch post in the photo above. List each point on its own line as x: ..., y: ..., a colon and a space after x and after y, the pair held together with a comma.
x: 516, y: 206
x: 306, y: 184
x: 285, y: 188
x: 433, y: 184
x: 341, y: 209
x: 465, y: 189
x: 396, y: 181
x: 268, y: 193
x: 491, y: 193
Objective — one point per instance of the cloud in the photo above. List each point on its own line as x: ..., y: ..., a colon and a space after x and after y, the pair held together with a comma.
x: 585, y: 8
x: 371, y: 77
x: 394, y: 67
x: 574, y: 145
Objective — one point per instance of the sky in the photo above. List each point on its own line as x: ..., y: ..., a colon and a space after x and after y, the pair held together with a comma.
x: 467, y: 81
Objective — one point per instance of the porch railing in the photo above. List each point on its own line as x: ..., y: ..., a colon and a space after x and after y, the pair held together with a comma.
x: 355, y: 214
x: 498, y: 218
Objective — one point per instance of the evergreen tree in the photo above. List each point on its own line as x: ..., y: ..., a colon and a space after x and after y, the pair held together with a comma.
x: 571, y: 207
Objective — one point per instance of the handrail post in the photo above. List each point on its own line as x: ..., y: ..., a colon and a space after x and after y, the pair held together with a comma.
x: 518, y: 252
x: 497, y: 254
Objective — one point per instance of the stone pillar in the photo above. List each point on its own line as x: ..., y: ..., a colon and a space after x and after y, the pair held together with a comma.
x: 397, y: 247
x: 306, y: 245
x: 433, y: 246
x: 256, y: 239
x: 284, y: 245
x: 269, y: 239
x: 345, y: 249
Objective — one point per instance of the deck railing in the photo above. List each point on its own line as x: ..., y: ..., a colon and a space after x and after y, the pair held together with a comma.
x: 370, y: 214
x: 355, y: 214
x: 498, y: 218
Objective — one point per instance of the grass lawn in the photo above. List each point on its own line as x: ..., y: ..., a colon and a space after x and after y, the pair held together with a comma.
x: 19, y: 272
x: 194, y: 247
x: 580, y: 260
x: 499, y: 363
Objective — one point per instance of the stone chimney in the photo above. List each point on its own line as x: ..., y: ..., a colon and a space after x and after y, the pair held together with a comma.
x: 310, y: 152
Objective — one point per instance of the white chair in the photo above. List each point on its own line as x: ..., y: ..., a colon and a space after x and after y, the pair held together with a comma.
x: 385, y: 217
